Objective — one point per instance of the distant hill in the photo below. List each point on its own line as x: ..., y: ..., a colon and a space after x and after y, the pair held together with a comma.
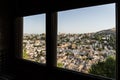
x: 111, y: 31
x: 109, y: 34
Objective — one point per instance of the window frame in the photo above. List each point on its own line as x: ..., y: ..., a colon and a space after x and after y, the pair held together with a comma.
x: 51, y: 46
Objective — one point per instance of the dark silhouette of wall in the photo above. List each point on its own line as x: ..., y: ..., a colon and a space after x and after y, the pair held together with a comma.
x: 10, y: 62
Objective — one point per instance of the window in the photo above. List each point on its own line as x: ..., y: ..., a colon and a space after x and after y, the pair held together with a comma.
x: 76, y: 39
x: 86, y: 40
x: 34, y: 46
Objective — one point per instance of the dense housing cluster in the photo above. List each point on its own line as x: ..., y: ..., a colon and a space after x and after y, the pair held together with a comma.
x: 74, y: 51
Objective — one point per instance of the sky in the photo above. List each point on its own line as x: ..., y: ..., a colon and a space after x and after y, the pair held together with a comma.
x: 82, y: 20
x: 34, y: 24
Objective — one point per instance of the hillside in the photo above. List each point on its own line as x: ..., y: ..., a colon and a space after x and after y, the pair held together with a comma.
x: 111, y: 31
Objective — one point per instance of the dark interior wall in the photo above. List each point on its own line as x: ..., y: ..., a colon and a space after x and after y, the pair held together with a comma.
x: 25, y: 70
x: 6, y: 35
x: 31, y: 7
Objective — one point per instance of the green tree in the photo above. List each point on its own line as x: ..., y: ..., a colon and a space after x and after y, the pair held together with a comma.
x: 106, y: 68
x: 59, y: 65
x: 25, y: 55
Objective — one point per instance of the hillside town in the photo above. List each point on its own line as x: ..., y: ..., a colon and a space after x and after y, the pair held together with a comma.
x: 74, y: 51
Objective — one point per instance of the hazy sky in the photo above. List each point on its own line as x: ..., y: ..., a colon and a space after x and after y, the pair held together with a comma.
x: 89, y: 19
x: 34, y: 24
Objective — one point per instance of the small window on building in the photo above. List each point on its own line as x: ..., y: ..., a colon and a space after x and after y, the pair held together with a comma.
x: 87, y: 40
x: 34, y: 46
